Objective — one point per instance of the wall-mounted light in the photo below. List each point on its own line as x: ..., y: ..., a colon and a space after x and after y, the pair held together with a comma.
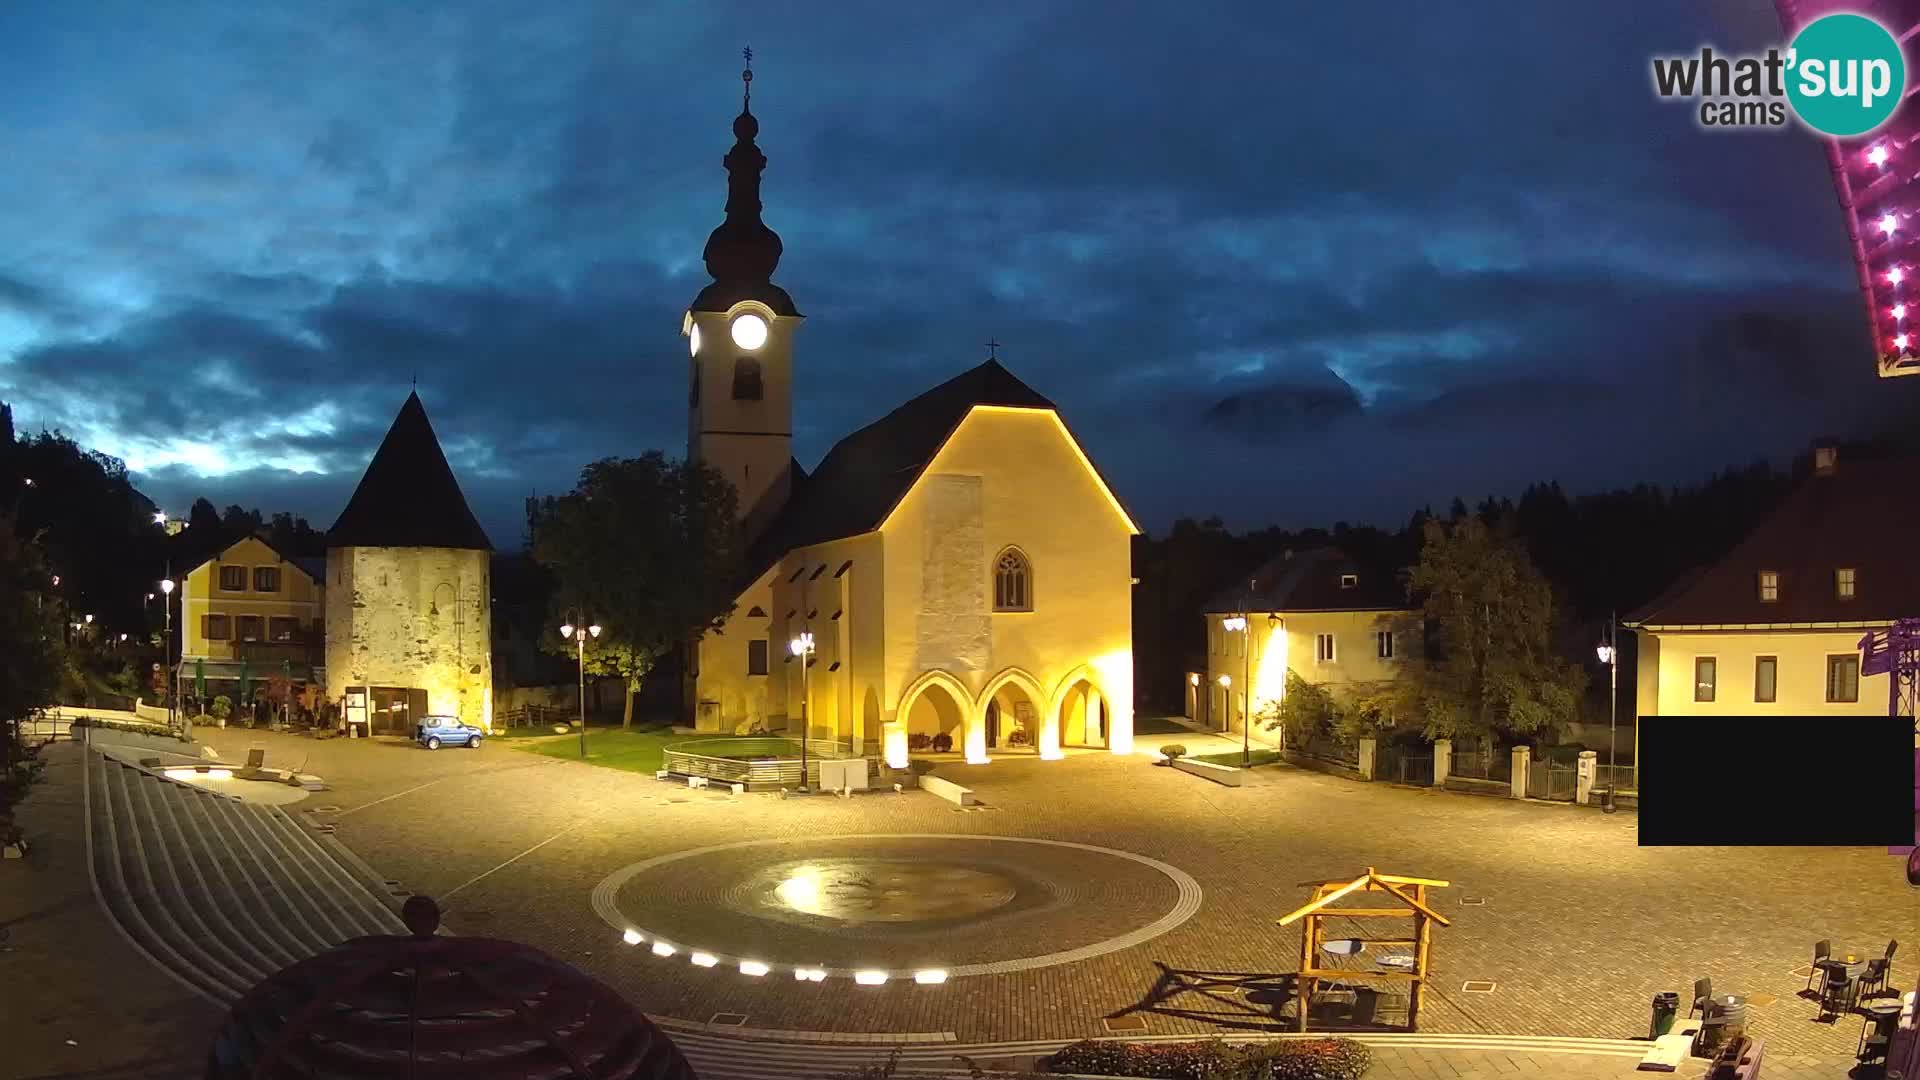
x: 870, y: 978
x: 631, y: 937
x: 753, y: 967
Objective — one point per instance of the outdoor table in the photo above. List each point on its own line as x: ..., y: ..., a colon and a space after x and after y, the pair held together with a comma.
x: 1876, y: 1030
x: 1836, y: 966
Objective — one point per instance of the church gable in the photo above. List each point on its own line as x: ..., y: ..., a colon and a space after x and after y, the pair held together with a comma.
x: 1027, y: 456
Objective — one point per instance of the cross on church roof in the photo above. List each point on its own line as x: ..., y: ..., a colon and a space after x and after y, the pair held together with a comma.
x: 746, y: 79
x: 993, y: 350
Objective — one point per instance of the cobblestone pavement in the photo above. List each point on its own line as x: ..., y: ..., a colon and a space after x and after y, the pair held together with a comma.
x: 1575, y: 925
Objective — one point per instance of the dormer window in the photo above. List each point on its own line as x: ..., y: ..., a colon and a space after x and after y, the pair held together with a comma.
x: 1349, y: 581
x: 1843, y: 583
x: 1769, y: 586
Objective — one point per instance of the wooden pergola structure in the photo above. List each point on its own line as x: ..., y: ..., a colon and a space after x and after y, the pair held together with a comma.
x: 1411, y: 891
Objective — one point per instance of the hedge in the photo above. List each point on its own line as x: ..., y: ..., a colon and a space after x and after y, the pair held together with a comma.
x: 1286, y: 1059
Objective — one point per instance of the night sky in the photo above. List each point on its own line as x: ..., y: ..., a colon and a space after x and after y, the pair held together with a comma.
x: 1281, y: 263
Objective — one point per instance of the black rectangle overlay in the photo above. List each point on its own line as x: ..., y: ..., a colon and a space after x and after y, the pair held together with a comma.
x: 1777, y: 781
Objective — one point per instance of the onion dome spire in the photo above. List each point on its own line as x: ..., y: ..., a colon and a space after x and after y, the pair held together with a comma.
x: 743, y: 251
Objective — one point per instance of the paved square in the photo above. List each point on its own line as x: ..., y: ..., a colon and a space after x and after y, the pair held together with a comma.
x: 1580, y: 927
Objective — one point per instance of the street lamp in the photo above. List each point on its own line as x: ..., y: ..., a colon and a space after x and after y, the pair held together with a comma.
x: 802, y: 647
x: 1609, y: 655
x: 579, y: 635
x: 1239, y: 623
x: 166, y: 589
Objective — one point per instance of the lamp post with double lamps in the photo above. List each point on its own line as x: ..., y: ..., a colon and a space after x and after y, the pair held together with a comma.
x: 802, y: 647
x: 579, y: 635
x: 1609, y: 654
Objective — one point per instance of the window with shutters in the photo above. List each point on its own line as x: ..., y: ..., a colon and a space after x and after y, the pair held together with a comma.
x: 217, y: 627
x: 233, y: 579
x: 282, y: 628
x: 266, y: 579
x: 248, y: 627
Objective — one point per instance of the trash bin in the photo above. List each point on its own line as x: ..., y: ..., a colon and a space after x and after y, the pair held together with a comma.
x: 1666, y: 1007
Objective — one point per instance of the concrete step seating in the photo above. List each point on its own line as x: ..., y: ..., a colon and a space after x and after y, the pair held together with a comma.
x: 219, y: 892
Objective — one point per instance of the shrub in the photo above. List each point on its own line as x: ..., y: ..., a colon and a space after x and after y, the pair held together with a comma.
x: 1018, y: 738
x: 222, y: 707
x: 1288, y: 1059
x: 1173, y: 752
x: 942, y: 743
x: 919, y: 740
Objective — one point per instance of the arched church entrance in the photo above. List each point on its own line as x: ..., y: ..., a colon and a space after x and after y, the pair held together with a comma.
x: 1083, y: 713
x: 1013, y: 709
x: 936, y: 704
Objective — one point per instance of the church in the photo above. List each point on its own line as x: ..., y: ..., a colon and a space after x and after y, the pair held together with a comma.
x: 955, y: 574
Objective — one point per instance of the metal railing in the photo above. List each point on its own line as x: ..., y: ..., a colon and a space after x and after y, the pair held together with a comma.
x: 1404, y: 765
x: 1482, y: 763
x: 1624, y: 777
x: 1552, y: 779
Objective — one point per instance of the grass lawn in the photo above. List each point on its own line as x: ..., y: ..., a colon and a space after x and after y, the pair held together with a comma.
x: 1157, y: 725
x: 640, y: 749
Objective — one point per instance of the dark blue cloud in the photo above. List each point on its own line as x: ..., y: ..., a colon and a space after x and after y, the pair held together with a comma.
x: 1416, y: 255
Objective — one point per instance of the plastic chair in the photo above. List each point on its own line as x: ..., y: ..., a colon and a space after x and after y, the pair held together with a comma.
x: 1821, y: 950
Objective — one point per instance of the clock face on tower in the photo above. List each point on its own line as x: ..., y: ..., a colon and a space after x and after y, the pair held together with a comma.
x: 749, y: 331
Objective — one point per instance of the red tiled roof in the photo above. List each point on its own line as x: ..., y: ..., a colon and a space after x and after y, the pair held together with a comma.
x: 1865, y: 516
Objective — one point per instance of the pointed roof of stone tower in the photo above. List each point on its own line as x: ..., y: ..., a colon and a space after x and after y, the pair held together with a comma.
x: 408, y: 497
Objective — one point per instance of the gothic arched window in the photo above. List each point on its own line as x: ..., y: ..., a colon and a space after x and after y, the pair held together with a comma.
x: 746, y: 379
x: 1012, y: 582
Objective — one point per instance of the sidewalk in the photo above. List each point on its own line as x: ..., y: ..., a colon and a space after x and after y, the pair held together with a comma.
x: 84, y: 1001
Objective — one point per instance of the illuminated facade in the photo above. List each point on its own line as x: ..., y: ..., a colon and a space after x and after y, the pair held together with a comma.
x: 1774, y: 628
x: 408, y: 607
x: 1317, y: 614
x: 251, y: 612
x: 959, y: 566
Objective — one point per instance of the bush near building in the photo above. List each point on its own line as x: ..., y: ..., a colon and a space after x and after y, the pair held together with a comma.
x: 1289, y: 1059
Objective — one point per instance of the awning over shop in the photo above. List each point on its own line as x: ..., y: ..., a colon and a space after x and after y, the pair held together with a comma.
x: 259, y: 672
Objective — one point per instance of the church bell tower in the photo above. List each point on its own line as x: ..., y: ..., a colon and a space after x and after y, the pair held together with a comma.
x: 739, y: 333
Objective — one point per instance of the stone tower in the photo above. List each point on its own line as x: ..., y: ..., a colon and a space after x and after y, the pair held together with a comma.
x: 409, y: 611
x: 740, y: 331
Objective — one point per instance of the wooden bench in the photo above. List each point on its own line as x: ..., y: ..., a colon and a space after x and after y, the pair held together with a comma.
x: 1226, y: 775
x: 948, y: 790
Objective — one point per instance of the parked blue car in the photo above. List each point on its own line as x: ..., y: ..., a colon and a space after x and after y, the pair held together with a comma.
x: 433, y: 732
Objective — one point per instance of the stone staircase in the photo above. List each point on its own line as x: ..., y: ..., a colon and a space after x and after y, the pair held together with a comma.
x: 218, y: 892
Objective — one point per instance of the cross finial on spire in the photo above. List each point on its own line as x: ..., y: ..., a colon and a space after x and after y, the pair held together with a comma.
x: 993, y: 350
x: 746, y: 80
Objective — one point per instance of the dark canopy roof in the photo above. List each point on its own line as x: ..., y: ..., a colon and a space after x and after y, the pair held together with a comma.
x: 1310, y: 581
x: 867, y: 473
x: 425, y: 1005
x: 1863, y: 516
x: 408, y: 497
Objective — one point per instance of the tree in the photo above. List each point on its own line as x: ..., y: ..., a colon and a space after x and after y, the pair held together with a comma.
x: 203, y: 519
x: 32, y: 650
x: 648, y: 548
x: 1491, y: 616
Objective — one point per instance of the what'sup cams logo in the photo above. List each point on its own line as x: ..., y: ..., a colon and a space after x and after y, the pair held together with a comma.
x: 1842, y: 75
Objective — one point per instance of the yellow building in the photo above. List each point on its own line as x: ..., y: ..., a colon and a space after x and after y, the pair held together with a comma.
x: 409, y: 623
x: 959, y: 566
x: 251, y: 612
x: 1317, y: 614
x: 1775, y: 626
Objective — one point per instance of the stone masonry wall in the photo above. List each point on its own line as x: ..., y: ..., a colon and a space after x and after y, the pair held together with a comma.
x: 412, y: 617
